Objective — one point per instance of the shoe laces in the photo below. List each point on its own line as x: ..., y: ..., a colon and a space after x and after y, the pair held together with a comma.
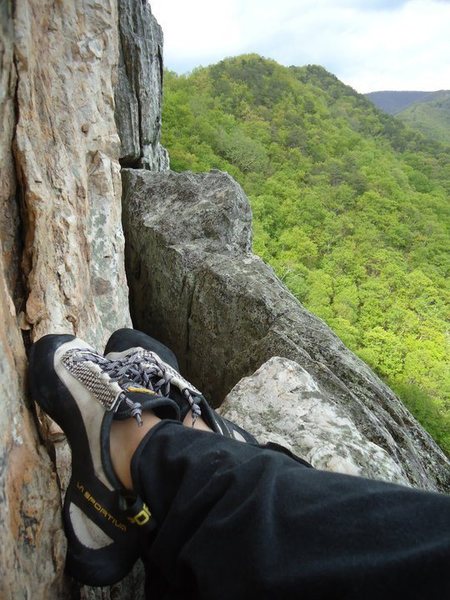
x: 113, y: 396
x: 145, y: 368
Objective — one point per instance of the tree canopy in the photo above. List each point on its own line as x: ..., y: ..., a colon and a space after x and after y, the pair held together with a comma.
x: 350, y: 207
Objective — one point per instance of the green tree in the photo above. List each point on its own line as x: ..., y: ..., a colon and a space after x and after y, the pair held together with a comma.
x: 350, y: 208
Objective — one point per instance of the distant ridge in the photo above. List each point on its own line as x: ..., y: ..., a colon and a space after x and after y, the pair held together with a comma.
x: 427, y: 112
x: 394, y: 102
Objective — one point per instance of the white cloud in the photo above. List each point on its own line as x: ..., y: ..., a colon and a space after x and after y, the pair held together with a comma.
x: 369, y: 44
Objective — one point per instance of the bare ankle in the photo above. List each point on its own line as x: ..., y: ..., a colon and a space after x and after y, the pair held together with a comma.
x: 125, y: 437
x: 199, y: 423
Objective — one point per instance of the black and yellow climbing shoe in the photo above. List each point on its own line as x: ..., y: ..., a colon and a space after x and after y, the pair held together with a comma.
x: 83, y: 392
x: 149, y: 363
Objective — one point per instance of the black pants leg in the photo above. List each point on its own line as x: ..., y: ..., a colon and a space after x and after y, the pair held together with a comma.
x: 238, y: 522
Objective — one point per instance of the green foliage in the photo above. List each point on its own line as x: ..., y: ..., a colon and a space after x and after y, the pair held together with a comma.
x: 427, y: 410
x: 430, y: 116
x: 350, y: 208
x: 394, y: 102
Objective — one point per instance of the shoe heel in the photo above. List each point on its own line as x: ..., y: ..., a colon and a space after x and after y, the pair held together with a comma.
x: 89, y: 518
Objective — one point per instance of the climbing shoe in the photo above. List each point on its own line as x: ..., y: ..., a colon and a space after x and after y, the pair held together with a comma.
x: 149, y: 363
x: 82, y: 391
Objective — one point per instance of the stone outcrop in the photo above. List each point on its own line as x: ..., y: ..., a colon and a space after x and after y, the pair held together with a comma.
x: 67, y: 159
x: 196, y: 286
x: 282, y: 403
x: 139, y: 88
x: 62, y: 245
x: 30, y: 522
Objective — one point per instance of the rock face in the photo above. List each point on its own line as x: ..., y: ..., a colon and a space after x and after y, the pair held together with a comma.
x: 196, y: 286
x: 139, y: 89
x: 282, y: 403
x: 30, y: 522
x: 66, y: 152
x: 62, y: 245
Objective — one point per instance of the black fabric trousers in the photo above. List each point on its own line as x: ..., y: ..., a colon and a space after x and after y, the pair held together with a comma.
x: 237, y: 521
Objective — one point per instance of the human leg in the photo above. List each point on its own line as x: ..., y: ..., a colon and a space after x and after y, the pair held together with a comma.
x: 237, y: 521
x: 233, y: 520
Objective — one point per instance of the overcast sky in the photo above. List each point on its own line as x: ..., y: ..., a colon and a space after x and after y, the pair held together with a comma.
x: 369, y: 44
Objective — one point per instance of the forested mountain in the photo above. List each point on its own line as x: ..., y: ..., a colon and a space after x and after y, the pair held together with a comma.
x: 426, y: 112
x: 350, y: 208
x: 394, y: 102
x: 430, y: 117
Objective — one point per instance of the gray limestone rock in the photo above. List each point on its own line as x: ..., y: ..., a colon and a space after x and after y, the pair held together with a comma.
x: 9, y: 208
x: 138, y: 93
x: 196, y: 286
x: 282, y: 403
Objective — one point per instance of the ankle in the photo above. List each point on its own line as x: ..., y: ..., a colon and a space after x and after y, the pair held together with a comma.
x: 199, y: 423
x: 125, y: 437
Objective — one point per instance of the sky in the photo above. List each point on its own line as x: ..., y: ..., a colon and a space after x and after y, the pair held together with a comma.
x: 371, y: 45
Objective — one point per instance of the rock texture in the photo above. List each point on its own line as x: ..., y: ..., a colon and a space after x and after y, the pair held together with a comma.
x: 139, y: 89
x: 9, y: 211
x: 195, y: 284
x: 67, y: 151
x: 281, y: 402
x: 30, y: 523
x: 62, y: 245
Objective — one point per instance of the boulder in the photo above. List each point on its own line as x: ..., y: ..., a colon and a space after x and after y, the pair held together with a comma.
x: 282, y: 403
x: 195, y: 284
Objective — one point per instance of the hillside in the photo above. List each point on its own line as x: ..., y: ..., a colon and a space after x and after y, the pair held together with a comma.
x: 425, y: 112
x: 393, y: 102
x: 350, y: 208
x: 431, y: 116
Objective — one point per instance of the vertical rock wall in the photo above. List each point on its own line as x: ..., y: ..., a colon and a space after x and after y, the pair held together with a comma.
x: 139, y: 88
x: 9, y: 218
x: 61, y: 254
x: 67, y: 151
x: 30, y: 522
